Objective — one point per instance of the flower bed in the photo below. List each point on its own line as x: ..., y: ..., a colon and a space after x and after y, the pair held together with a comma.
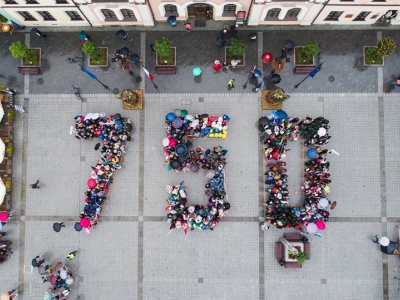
x: 113, y: 132
x: 276, y: 132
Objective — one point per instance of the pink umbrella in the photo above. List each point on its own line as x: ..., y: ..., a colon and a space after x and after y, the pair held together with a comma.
x: 91, y: 183
x: 267, y: 57
x: 320, y: 224
x: 85, y: 223
x: 312, y: 228
x: 59, y: 266
x: 3, y: 216
x: 53, y: 279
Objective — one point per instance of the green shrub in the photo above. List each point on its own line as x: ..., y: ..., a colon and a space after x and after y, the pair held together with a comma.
x: 18, y: 50
x: 163, y: 49
x: 236, y: 49
x: 386, y: 46
x: 301, y: 257
x: 304, y: 55
x: 3, y: 19
x: 91, y: 50
x: 372, y: 57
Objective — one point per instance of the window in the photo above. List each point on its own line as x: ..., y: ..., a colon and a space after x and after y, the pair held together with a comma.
x: 46, y: 16
x: 27, y: 16
x: 272, y: 14
x: 109, y: 15
x: 74, y: 15
x: 229, y: 10
x: 378, y: 0
x: 31, y: 2
x: 333, y: 16
x: 374, y: 16
x: 292, y: 14
x: 61, y: 2
x: 128, y: 15
x: 362, y: 15
x: 171, y: 10
x: 10, y: 2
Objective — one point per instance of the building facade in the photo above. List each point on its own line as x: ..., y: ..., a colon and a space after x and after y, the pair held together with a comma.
x: 102, y: 13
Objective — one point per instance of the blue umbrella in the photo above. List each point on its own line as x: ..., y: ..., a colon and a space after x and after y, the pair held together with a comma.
x: 172, y: 20
x: 257, y: 73
x: 280, y: 114
x: 315, y: 71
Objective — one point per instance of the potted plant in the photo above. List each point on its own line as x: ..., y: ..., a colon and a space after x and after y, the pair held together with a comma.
x: 301, y: 257
x: 166, y: 55
x: 29, y: 57
x: 304, y: 55
x: 237, y: 51
x: 386, y: 46
x: 131, y: 99
x: 10, y: 149
x: 98, y: 56
x: 8, y: 184
x: 277, y: 95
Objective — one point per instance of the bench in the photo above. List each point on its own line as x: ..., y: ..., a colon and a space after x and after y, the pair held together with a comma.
x: 307, y: 249
x: 303, y: 69
x: 166, y: 70
x: 279, y: 251
x: 293, y: 237
x: 292, y: 265
x: 28, y: 70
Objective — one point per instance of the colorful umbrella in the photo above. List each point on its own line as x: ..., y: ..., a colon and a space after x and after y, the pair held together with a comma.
x: 3, y: 216
x: 267, y: 57
x: 85, y: 223
x: 197, y: 71
x: 320, y: 224
x: 91, y: 183
x: 217, y: 66
x: 384, y: 241
x: 53, y: 279
x: 257, y: 73
x: 312, y: 228
x: 59, y: 266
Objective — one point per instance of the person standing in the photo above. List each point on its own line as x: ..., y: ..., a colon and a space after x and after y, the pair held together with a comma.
x: 231, y: 83
x: 188, y: 27
x: 35, y: 185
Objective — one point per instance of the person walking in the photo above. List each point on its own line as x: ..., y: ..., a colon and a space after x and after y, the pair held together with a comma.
x: 35, y: 185
x: 231, y: 83
x: 188, y: 27
x: 71, y: 255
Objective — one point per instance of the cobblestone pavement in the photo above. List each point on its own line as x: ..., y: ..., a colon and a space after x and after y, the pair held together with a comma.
x: 130, y: 255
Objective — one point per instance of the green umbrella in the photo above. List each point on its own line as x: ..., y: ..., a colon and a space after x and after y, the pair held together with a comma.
x: 196, y: 71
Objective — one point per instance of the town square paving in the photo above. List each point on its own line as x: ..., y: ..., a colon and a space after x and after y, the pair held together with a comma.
x: 130, y: 255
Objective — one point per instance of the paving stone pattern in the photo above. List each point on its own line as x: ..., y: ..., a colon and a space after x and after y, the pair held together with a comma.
x: 131, y: 255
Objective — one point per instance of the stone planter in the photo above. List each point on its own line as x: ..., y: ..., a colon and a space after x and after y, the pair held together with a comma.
x: 242, y: 58
x: 296, y: 63
x: 39, y: 53
x: 365, y: 58
x: 160, y: 63
x: 105, y: 57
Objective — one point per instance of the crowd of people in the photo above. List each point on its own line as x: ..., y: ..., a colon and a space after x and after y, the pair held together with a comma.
x: 277, y: 130
x: 60, y: 277
x: 180, y: 155
x: 113, y: 132
x: 181, y: 128
x: 5, y: 247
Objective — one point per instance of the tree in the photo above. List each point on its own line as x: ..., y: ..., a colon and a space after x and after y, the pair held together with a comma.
x: 90, y: 49
x: 18, y: 50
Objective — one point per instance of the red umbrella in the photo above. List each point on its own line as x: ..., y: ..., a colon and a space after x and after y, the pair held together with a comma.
x: 3, y: 216
x: 85, y: 223
x: 91, y: 183
x: 217, y: 66
x: 53, y: 279
x: 267, y: 57
x: 320, y: 224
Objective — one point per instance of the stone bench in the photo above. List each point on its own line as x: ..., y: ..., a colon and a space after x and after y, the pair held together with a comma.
x: 303, y: 69
x: 28, y: 70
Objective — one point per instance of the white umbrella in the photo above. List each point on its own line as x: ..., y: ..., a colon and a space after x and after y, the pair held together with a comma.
x: 89, y: 116
x: 384, y: 241
x: 321, y: 131
x: 1, y: 112
x: 2, y: 150
x: 2, y: 191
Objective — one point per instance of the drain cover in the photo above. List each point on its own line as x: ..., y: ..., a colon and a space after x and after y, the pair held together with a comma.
x: 331, y: 78
x: 40, y: 81
x: 116, y: 91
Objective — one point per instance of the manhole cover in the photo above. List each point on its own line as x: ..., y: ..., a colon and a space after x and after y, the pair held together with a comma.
x: 138, y: 79
x: 116, y: 91
x: 40, y: 81
x: 200, y: 23
x: 331, y: 78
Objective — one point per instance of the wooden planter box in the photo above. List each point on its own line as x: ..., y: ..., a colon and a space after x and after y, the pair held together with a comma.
x: 365, y: 58
x: 39, y: 53
x: 105, y: 53
x: 242, y: 59
x: 302, y: 64
x: 160, y: 63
